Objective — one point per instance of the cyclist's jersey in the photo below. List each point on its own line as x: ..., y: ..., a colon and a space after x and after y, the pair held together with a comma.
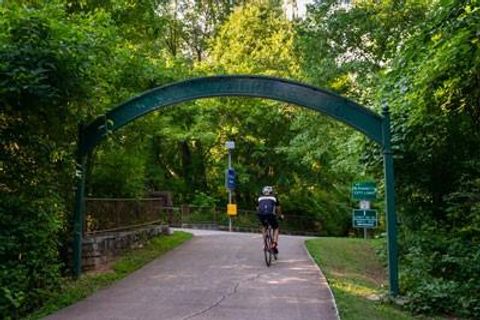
x: 267, y: 204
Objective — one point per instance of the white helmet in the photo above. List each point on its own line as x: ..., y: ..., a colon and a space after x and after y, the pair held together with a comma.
x: 267, y: 190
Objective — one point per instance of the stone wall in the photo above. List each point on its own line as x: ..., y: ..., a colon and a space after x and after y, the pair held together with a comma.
x: 101, y: 248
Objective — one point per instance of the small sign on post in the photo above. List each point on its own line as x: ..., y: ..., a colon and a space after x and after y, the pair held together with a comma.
x: 232, y: 209
x: 230, y: 179
x: 364, y: 204
x: 364, y: 218
x: 364, y: 190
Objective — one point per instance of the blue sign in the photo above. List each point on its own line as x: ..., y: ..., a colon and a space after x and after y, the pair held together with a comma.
x: 230, y: 179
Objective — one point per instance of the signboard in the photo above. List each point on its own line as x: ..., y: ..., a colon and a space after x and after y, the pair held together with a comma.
x: 230, y: 179
x: 364, y: 204
x: 364, y: 190
x: 231, y: 209
x: 363, y: 218
x: 230, y: 145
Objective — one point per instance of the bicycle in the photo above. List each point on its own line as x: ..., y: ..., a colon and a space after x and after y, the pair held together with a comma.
x: 268, y: 249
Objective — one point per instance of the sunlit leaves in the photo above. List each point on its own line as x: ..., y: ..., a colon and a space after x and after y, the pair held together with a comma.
x: 257, y: 38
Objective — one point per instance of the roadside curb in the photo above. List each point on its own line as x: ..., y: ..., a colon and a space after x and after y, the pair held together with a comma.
x: 326, y: 280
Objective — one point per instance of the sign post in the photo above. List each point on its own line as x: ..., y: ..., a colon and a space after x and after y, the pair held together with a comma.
x: 230, y: 184
x: 364, y: 217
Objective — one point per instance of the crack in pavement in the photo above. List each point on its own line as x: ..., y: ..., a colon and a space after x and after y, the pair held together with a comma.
x: 213, y: 305
x: 222, y: 298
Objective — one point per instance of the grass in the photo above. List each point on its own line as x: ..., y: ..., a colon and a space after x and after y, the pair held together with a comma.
x: 357, y: 278
x: 72, y: 291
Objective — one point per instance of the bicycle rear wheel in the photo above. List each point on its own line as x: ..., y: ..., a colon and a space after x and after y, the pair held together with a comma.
x: 268, y: 246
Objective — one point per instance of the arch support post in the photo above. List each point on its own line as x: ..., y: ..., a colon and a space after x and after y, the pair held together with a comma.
x: 78, y: 218
x: 390, y: 205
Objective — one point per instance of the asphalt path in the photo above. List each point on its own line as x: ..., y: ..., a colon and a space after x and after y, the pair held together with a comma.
x: 216, y: 275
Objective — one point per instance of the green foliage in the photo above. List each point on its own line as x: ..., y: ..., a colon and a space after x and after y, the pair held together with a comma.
x: 120, y: 174
x: 53, y: 75
x: 185, y: 146
x: 203, y: 200
x: 256, y: 38
x: 45, y: 74
x: 440, y: 273
x: 438, y: 143
x: 421, y: 58
x: 310, y: 208
x: 30, y: 268
x: 348, y: 62
x: 64, y: 62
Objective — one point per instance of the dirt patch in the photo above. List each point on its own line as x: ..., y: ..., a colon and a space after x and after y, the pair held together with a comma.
x: 103, y: 268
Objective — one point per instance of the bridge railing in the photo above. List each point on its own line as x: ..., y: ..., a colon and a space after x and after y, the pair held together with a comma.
x: 110, y: 214
x: 116, y: 214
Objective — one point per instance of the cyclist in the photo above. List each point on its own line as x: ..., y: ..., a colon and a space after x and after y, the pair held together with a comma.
x: 266, y: 212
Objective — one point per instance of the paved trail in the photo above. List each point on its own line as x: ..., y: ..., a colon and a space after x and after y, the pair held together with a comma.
x: 216, y: 275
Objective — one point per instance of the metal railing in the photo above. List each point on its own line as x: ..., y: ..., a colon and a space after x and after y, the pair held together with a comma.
x: 112, y: 214
x: 105, y: 215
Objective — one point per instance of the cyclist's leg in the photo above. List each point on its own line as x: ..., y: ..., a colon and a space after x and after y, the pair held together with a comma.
x: 264, y: 224
x: 264, y: 233
x: 276, y: 234
x: 274, y: 223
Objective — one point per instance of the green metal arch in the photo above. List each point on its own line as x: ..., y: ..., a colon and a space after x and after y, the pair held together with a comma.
x: 331, y: 104
x: 374, y: 126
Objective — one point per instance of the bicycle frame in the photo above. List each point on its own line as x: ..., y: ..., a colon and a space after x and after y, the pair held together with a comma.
x: 268, y: 245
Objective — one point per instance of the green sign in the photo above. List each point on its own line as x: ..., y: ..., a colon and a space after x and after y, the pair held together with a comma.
x: 363, y: 218
x: 364, y: 190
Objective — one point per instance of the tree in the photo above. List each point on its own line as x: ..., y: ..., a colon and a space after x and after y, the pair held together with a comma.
x: 422, y: 59
x: 434, y: 93
x: 49, y: 66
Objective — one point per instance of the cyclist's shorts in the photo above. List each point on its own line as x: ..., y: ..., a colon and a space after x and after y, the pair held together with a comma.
x: 268, y: 219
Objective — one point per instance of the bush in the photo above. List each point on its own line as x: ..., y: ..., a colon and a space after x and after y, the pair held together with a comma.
x: 440, y: 274
x: 202, y: 199
x: 29, y: 252
x: 314, y: 211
